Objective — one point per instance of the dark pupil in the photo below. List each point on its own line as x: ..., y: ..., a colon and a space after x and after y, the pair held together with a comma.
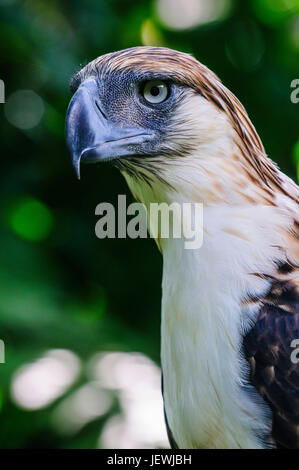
x: 155, y: 91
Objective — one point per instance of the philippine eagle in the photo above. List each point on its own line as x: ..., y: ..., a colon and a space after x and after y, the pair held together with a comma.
x: 230, y: 316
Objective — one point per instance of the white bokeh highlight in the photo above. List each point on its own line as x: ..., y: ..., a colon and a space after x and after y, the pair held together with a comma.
x: 24, y: 109
x: 186, y: 14
x: 81, y: 407
x: 38, y: 384
x: 137, y: 381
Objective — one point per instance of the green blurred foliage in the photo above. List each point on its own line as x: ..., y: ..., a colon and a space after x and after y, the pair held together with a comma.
x: 61, y: 287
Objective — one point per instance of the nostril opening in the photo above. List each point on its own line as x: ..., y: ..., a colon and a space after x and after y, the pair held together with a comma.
x: 101, y: 111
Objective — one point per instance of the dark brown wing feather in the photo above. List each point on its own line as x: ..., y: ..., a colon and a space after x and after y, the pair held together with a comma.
x: 274, y: 366
x: 274, y: 369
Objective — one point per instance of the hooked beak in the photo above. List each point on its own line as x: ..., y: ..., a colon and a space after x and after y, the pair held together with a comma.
x: 91, y: 137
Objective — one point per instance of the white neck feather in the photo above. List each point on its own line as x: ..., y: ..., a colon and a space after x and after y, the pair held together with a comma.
x: 202, y: 326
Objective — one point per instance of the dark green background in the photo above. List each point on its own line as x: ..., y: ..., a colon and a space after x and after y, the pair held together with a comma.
x: 60, y: 286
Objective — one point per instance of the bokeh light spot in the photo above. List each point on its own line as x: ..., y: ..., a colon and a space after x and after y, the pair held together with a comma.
x: 185, y: 14
x: 24, y: 109
x: 296, y: 151
x: 137, y: 381
x: 36, y: 385
x: 150, y: 35
x: 245, y: 46
x: 81, y: 407
x: 274, y: 11
x: 293, y: 32
x: 31, y: 219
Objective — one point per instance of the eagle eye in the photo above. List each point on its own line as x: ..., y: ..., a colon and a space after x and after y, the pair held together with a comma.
x: 155, y: 91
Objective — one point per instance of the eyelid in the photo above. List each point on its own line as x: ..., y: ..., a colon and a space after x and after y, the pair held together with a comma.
x: 142, y: 83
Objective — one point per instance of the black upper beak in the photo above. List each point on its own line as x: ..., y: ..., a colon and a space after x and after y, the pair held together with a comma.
x: 91, y: 137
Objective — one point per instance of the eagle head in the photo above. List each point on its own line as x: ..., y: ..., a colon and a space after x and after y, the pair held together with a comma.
x: 159, y: 114
x: 163, y: 117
